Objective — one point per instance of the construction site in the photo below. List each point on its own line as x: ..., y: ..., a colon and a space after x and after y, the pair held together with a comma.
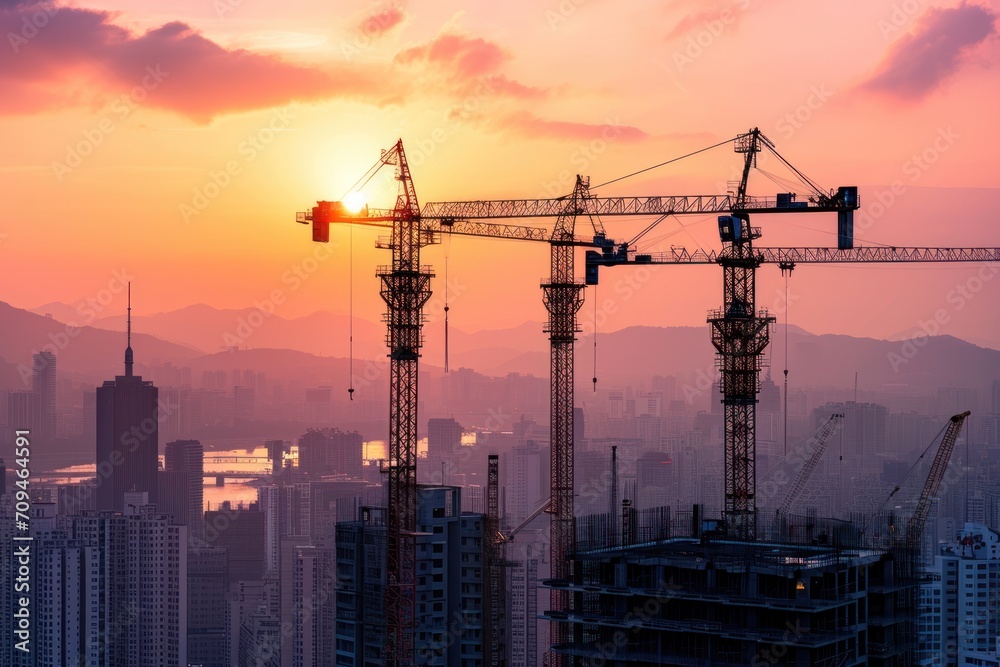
x: 759, y: 583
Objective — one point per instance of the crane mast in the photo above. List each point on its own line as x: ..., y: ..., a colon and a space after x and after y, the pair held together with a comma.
x: 740, y: 334
x: 563, y: 296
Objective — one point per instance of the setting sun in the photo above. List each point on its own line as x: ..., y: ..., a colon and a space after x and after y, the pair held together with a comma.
x: 354, y: 201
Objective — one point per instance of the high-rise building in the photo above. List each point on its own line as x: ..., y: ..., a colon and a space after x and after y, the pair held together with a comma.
x: 43, y: 384
x: 244, y: 404
x: 63, y: 601
x: 127, y: 436
x: 449, y: 589
x: 241, y: 531
x: 331, y: 451
x: 525, y: 478
x: 314, y: 607
x: 444, y: 437
x: 318, y: 405
x: 863, y: 434
x: 524, y: 578
x: 174, y: 490
x: 24, y: 411
x: 286, y: 513
x: 959, y: 620
x: 188, y: 456
x: 207, y: 586
x: 143, y: 592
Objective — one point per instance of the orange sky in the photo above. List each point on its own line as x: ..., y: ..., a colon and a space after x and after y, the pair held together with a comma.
x: 176, y: 143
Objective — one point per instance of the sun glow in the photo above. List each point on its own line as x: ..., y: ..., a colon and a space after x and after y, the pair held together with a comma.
x: 354, y: 201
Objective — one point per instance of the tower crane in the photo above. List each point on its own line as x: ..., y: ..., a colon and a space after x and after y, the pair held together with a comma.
x: 406, y: 288
x: 737, y: 331
x: 812, y: 460
x: 740, y: 333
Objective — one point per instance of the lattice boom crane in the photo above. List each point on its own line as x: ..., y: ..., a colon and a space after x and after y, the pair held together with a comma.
x: 915, y: 526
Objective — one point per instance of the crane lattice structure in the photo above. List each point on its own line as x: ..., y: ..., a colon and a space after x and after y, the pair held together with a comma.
x: 740, y: 448
x: 741, y: 334
x: 406, y: 288
x: 815, y: 454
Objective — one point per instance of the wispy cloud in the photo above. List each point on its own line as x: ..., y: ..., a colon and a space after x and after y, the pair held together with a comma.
x: 457, y: 54
x: 918, y: 63
x: 381, y: 21
x: 527, y: 124
x: 79, y: 57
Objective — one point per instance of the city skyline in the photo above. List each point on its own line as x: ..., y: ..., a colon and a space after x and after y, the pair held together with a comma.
x: 371, y: 440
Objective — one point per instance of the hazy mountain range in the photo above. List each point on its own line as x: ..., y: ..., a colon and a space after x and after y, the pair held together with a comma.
x: 314, y: 349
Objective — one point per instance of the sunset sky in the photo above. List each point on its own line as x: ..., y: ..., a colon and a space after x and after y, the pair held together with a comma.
x: 173, y: 142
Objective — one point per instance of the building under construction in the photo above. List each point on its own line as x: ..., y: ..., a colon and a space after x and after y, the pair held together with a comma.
x: 702, y: 599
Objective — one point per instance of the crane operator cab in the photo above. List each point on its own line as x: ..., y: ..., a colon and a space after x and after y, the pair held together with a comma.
x: 734, y: 228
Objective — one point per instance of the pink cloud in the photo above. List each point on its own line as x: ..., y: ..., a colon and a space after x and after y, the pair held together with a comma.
x: 502, y: 85
x: 527, y: 124
x: 463, y: 56
x: 918, y: 63
x: 78, y: 57
x: 382, y: 21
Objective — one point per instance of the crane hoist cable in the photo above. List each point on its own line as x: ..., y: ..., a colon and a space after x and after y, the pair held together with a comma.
x: 595, y: 339
x: 446, y: 309
x: 805, y: 179
x: 912, y: 468
x: 350, y: 313
x: 778, y: 180
x: 785, y: 371
x: 663, y: 164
